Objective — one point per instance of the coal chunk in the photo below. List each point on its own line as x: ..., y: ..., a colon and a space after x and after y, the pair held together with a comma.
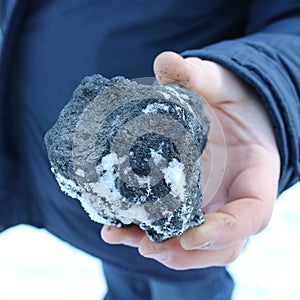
x: 130, y: 154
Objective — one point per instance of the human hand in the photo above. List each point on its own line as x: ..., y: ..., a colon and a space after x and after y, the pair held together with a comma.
x: 240, y: 170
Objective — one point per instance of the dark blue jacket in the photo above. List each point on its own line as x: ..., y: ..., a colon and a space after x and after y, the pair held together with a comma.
x: 47, y: 47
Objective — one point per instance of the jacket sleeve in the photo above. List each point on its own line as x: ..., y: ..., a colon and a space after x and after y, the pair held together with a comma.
x: 268, y: 58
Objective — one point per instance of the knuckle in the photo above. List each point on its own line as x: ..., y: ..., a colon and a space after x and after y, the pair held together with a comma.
x: 227, y: 222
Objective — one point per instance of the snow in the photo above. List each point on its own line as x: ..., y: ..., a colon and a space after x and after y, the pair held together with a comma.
x: 174, y: 176
x: 269, y: 267
x: 153, y: 107
x: 135, y: 213
x: 35, y: 265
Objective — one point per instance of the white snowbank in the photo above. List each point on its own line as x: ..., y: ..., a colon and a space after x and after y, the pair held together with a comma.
x: 35, y: 265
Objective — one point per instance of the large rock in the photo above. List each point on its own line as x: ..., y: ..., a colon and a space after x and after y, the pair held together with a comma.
x: 130, y: 153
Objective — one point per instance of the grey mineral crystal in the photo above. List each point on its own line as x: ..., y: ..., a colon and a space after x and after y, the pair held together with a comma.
x: 130, y: 153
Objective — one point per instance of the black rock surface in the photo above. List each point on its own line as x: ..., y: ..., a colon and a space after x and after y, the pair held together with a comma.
x: 130, y: 153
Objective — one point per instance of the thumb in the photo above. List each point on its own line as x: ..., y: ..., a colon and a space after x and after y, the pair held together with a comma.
x: 209, y: 79
x: 203, y: 77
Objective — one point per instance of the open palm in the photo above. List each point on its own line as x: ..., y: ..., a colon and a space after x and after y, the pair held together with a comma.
x: 240, y: 169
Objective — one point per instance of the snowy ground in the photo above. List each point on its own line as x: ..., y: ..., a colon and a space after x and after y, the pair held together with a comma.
x: 35, y: 265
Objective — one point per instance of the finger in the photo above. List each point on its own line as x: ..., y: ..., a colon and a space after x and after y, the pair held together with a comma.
x: 209, y: 79
x: 235, y: 222
x: 171, y: 254
x: 169, y: 67
x: 130, y: 235
x: 249, y: 195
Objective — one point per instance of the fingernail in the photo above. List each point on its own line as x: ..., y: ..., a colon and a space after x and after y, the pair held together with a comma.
x: 158, y: 256
x: 202, y: 246
x: 185, y: 245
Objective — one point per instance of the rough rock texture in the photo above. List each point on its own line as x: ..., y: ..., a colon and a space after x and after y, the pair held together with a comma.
x: 130, y: 154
